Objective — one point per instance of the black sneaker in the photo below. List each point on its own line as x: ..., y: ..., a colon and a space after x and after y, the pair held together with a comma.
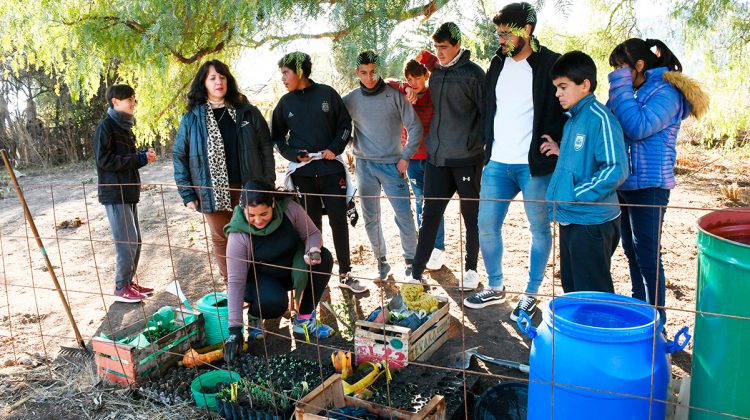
x: 484, y: 298
x: 409, y: 271
x: 347, y: 281
x: 527, y: 304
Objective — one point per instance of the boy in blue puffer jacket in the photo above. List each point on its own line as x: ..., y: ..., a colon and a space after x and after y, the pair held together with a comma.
x: 582, y: 191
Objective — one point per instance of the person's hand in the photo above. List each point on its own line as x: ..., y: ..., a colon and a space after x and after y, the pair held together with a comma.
x: 411, y: 94
x: 302, y: 156
x: 352, y: 214
x: 233, y: 344
x: 402, y: 166
x: 312, y: 257
x: 151, y: 155
x: 193, y: 205
x: 549, y: 147
x: 328, y: 155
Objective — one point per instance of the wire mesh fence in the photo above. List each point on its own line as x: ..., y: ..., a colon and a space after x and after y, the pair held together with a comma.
x: 176, y: 246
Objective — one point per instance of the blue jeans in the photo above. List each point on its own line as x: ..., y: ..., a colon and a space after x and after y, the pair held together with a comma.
x: 371, y: 176
x: 416, y: 178
x: 641, y: 230
x: 123, y: 220
x: 500, y: 184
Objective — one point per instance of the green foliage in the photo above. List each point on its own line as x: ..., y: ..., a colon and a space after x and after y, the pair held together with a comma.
x: 617, y: 23
x: 344, y: 311
x: 726, y: 124
x: 157, y: 46
x: 718, y: 32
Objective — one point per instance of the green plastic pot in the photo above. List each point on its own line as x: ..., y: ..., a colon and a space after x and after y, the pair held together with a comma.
x: 721, y: 367
x: 210, y: 379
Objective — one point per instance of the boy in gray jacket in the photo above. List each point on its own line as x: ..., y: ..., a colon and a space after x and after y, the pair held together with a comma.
x: 377, y: 112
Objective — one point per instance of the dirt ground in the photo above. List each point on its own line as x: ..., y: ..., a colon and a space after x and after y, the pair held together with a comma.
x: 33, y: 324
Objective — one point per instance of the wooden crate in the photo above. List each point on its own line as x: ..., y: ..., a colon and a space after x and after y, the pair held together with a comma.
x: 126, y: 364
x: 330, y: 394
x: 374, y: 342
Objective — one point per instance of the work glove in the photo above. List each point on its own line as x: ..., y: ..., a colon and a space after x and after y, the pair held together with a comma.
x: 233, y: 344
x: 351, y: 213
x: 312, y: 257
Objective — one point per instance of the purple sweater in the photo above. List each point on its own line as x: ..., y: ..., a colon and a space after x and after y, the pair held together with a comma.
x: 240, y: 257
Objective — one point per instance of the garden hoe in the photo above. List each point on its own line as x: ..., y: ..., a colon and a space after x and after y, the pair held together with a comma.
x: 464, y: 361
x: 64, y: 351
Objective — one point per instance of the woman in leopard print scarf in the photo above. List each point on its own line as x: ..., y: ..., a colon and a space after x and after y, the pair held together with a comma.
x: 222, y: 142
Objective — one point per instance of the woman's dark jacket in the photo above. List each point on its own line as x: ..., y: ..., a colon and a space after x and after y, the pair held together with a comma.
x: 190, y: 154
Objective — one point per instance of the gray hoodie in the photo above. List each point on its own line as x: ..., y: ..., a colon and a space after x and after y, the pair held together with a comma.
x: 377, y: 125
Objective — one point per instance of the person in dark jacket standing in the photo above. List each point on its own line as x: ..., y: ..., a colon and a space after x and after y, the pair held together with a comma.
x: 117, y: 164
x: 312, y: 118
x: 521, y: 113
x: 455, y: 149
x: 222, y: 142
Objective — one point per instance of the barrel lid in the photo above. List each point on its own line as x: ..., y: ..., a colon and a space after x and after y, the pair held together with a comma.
x: 727, y: 225
x: 600, y: 316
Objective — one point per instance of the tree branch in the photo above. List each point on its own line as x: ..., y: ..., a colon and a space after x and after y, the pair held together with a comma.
x: 141, y: 29
x: 425, y: 11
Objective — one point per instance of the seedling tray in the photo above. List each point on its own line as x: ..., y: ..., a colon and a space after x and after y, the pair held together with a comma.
x: 126, y: 364
x: 331, y: 394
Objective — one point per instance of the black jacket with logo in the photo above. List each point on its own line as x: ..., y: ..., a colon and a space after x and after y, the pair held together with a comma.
x: 548, y: 114
x: 117, y: 163
x: 315, y: 119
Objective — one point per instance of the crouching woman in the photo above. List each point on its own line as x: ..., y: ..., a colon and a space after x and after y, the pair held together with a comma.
x: 273, y: 247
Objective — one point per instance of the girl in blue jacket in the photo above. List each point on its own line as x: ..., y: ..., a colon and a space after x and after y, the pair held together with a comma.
x: 650, y: 97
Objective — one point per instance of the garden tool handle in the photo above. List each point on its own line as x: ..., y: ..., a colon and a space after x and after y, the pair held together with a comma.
x: 39, y: 243
x: 524, y: 324
x: 364, y: 382
x: 193, y: 358
x: 675, y: 345
x: 507, y: 363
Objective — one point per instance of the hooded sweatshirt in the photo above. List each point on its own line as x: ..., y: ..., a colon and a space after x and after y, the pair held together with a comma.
x: 650, y: 119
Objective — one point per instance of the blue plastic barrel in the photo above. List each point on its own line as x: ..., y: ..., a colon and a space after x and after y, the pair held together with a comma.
x: 610, y: 359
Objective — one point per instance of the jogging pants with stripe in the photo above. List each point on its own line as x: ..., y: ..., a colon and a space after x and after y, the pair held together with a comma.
x: 440, y: 183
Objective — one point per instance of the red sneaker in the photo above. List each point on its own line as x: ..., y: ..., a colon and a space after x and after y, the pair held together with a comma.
x: 128, y: 295
x: 142, y: 289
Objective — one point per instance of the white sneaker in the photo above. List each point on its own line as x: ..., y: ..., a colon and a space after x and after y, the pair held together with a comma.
x: 437, y: 258
x: 470, y: 280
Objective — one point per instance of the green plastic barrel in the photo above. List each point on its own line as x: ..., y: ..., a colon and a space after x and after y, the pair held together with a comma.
x: 721, y: 365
